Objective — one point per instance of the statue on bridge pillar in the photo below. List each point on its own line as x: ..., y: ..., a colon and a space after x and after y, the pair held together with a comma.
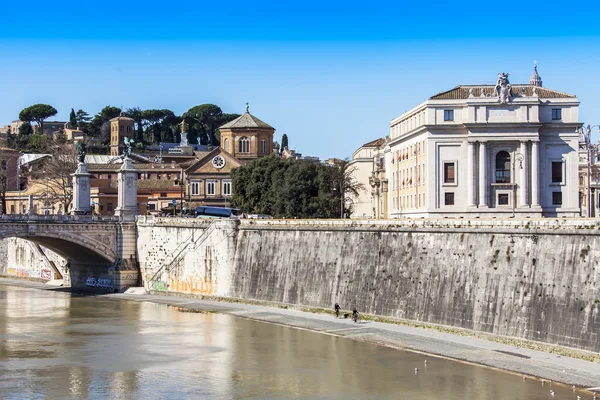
x: 127, y: 207
x: 81, y: 184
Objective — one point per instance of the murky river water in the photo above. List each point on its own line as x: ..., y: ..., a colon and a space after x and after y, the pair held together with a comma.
x: 57, y: 345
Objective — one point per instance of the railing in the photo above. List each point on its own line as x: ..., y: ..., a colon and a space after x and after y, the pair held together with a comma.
x: 181, y: 251
x: 57, y: 218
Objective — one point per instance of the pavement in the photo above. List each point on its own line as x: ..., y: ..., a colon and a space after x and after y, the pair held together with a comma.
x: 532, y: 364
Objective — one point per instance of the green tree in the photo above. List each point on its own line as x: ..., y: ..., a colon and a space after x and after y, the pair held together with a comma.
x: 207, y: 117
x: 25, y: 129
x: 38, y: 113
x: 105, y: 115
x: 38, y: 142
x: 137, y: 114
x: 83, y: 118
x: 73, y: 119
x: 284, y: 143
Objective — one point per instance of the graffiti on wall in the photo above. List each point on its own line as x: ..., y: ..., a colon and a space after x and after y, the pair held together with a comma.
x: 160, y: 286
x: 191, y: 284
x: 23, y: 272
x: 46, y: 274
x: 100, y: 283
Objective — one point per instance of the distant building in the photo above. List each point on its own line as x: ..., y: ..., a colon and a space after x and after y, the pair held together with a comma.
x: 247, y: 138
x: 367, y: 167
x: 486, y: 151
x: 120, y: 128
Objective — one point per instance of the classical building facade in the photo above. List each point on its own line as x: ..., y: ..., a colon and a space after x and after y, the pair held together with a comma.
x: 486, y: 150
x: 368, y: 168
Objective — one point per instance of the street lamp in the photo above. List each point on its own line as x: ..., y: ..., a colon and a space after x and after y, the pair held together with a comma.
x: 585, y: 142
x: 516, y: 157
x: 341, y: 197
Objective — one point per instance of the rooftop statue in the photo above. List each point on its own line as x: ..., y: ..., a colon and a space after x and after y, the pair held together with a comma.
x: 81, y: 151
x: 503, y: 88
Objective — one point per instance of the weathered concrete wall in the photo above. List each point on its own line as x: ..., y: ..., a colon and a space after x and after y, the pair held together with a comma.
x: 186, y: 255
x: 533, y: 279
x: 25, y: 259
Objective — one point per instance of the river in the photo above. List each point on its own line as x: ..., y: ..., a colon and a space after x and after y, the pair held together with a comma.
x: 59, y: 345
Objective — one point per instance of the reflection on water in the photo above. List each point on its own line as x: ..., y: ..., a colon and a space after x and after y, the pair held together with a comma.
x: 58, y: 345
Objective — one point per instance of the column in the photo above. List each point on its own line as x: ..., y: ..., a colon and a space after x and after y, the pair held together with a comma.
x: 470, y: 180
x: 127, y: 191
x: 81, y: 190
x: 523, y: 177
x: 482, y: 175
x: 535, y: 173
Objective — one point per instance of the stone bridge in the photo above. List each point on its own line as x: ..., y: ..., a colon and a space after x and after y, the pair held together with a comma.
x: 101, y: 251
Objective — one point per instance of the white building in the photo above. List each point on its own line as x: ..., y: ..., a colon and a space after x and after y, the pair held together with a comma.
x: 486, y: 150
x: 367, y: 168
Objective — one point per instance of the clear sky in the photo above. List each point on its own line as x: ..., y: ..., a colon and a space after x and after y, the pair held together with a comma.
x: 331, y: 75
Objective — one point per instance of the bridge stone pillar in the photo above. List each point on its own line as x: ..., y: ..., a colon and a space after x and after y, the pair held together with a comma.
x: 127, y: 207
x: 81, y: 190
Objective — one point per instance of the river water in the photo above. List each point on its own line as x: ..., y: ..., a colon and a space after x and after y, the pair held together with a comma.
x: 66, y: 346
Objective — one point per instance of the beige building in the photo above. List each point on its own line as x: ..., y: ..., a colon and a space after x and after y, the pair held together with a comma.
x: 247, y: 138
x: 367, y: 167
x: 120, y: 128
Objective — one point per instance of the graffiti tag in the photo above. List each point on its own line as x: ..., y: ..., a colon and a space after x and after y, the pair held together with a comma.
x: 46, y: 274
x: 159, y: 285
x: 100, y: 283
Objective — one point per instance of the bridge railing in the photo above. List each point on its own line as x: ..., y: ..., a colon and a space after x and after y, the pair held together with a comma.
x: 56, y: 218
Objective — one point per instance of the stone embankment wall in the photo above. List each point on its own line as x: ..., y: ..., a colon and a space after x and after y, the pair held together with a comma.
x: 186, y: 255
x: 533, y: 279
x: 25, y: 259
x: 536, y: 279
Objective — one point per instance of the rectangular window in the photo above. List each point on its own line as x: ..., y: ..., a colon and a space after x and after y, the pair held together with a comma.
x: 210, y: 188
x: 195, y: 188
x: 502, y: 199
x: 448, y: 115
x: 151, y: 207
x: 557, y: 171
x: 449, y: 172
x: 263, y: 146
x: 449, y: 199
x: 109, y: 207
x: 163, y: 194
x: 556, y: 198
x: 227, y: 188
x: 556, y: 114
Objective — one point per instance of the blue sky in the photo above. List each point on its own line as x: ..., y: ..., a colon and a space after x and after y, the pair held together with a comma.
x: 331, y: 75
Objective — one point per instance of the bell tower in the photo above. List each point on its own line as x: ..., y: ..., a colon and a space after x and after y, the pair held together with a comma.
x: 120, y: 127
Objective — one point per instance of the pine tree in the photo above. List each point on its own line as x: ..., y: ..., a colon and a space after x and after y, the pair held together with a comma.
x: 73, y: 119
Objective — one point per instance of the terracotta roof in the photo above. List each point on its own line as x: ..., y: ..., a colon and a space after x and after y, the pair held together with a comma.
x: 462, y: 92
x: 374, y: 143
x: 246, y: 120
x: 122, y: 118
x: 141, y: 167
x: 157, y: 184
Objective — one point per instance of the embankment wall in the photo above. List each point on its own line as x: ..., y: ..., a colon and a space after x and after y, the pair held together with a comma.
x: 537, y: 280
x: 24, y: 259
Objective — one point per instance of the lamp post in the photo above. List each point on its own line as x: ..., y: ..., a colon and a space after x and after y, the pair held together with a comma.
x: 341, y: 197
x: 585, y: 143
x: 516, y: 157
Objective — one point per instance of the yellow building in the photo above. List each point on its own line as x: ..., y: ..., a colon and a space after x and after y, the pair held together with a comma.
x: 120, y: 128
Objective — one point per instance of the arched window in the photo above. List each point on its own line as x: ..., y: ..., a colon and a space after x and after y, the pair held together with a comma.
x: 502, y: 167
x: 226, y: 144
x: 244, y: 145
